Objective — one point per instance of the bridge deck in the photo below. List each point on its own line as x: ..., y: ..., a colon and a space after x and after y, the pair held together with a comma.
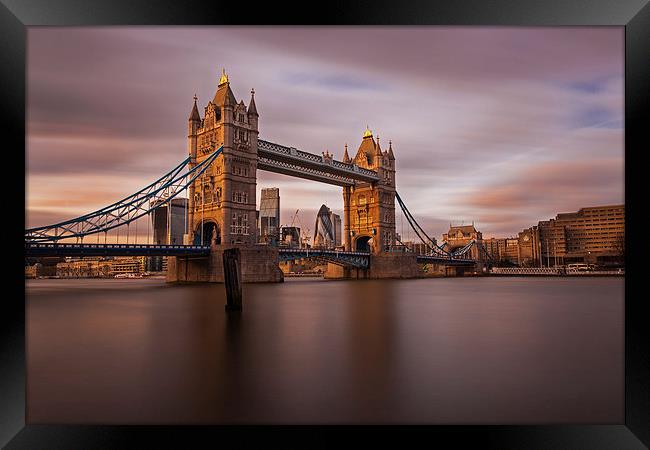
x: 114, y: 250
x: 356, y: 259
x: 445, y: 261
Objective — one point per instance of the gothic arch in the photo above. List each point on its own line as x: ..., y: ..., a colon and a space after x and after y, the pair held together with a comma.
x: 363, y: 243
x: 211, y: 230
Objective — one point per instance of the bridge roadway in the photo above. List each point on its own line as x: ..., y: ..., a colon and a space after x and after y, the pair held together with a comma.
x: 355, y: 259
x: 39, y: 249
x: 447, y: 261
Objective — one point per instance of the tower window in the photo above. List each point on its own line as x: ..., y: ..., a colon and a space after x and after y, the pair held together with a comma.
x: 245, y: 224
x: 240, y: 197
x: 388, y: 238
x: 242, y: 135
x: 240, y: 223
x: 239, y: 170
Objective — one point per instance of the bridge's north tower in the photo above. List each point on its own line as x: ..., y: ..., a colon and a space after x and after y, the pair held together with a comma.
x: 369, y: 208
x: 222, y: 201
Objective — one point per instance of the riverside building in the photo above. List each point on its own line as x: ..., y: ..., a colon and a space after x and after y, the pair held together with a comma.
x: 594, y: 235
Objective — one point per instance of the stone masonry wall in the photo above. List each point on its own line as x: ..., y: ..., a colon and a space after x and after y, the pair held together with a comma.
x: 259, y: 264
x: 382, y: 265
x: 386, y: 265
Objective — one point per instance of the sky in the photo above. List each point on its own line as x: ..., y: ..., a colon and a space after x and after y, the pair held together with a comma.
x: 500, y: 126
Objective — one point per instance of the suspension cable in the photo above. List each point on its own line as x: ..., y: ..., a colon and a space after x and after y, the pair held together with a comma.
x: 419, y: 231
x: 117, y: 214
x: 424, y: 237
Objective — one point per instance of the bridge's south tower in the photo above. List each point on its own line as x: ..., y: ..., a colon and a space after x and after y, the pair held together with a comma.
x: 369, y: 208
x: 222, y: 201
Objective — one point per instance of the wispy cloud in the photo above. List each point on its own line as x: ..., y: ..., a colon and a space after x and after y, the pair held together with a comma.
x: 334, y: 82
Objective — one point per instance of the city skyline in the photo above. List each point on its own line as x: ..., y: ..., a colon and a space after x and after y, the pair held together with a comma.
x: 501, y: 126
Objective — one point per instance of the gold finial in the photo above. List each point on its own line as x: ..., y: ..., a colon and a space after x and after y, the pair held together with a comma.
x: 224, y: 77
x: 367, y: 133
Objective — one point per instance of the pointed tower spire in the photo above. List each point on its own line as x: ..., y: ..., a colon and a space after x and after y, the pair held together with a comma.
x: 252, y: 109
x: 377, y: 148
x: 194, y: 115
x: 390, y: 151
x: 346, y: 157
x: 224, y: 95
x: 224, y: 77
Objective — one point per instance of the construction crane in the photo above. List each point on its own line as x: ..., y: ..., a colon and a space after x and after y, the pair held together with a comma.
x: 305, y: 238
x: 293, y: 219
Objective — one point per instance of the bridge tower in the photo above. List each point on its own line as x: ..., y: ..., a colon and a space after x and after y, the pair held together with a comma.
x: 369, y: 208
x: 222, y: 201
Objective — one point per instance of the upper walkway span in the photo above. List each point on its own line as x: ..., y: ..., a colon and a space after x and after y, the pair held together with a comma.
x: 291, y: 161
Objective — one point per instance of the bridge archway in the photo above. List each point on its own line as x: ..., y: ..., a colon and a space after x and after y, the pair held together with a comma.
x: 363, y: 244
x: 205, y: 236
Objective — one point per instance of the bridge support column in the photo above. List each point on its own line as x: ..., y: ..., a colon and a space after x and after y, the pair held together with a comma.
x: 232, y: 278
x: 346, y: 219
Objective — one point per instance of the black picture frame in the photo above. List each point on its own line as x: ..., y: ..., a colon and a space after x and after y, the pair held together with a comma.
x: 634, y: 15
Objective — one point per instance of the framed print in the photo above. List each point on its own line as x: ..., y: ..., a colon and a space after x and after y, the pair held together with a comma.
x: 458, y: 264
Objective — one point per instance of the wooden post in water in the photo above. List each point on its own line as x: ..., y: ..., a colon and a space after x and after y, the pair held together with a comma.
x: 232, y: 279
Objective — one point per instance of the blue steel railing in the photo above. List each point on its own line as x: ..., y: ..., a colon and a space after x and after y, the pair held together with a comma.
x: 49, y: 249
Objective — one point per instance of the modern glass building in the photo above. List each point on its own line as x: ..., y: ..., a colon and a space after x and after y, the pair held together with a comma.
x: 270, y: 215
x: 161, y: 219
x: 327, y: 231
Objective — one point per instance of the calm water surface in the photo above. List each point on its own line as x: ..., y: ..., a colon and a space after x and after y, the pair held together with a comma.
x: 474, y: 350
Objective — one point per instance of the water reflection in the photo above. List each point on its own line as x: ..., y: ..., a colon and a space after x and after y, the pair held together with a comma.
x: 307, y: 351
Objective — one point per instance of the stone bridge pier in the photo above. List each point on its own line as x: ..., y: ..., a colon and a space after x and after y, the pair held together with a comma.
x: 259, y: 264
x: 382, y: 265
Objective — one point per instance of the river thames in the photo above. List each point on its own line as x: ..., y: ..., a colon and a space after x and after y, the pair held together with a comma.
x: 437, y: 351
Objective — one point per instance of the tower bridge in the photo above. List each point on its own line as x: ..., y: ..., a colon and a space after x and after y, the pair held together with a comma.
x: 220, y: 179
